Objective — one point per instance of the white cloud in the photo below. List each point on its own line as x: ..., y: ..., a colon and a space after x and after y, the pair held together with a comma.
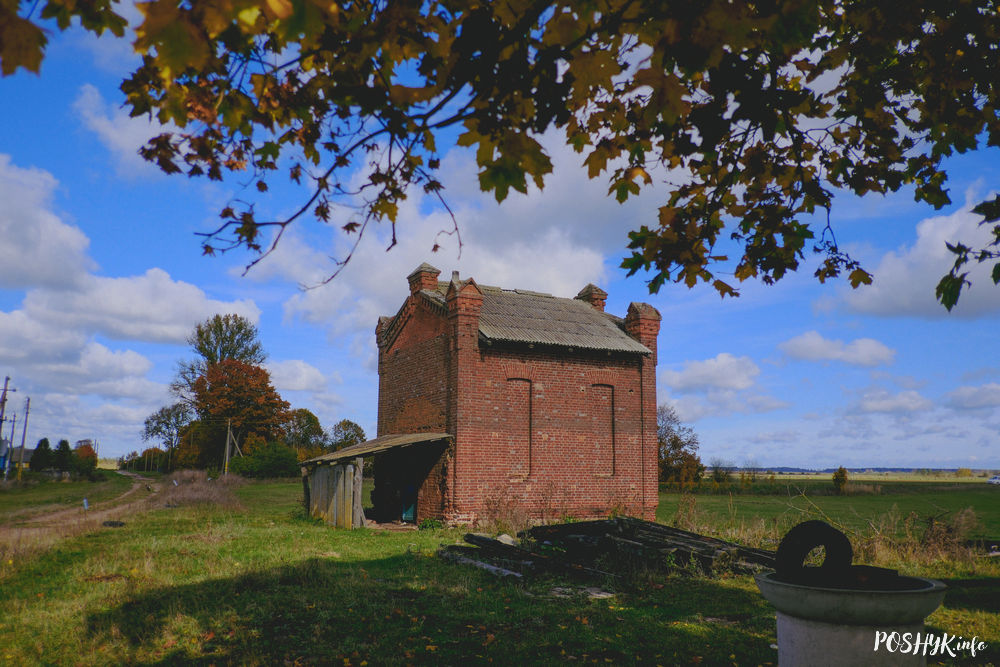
x: 775, y: 437
x: 880, y: 400
x: 151, y: 307
x: 905, y: 279
x: 296, y: 375
x: 120, y: 133
x: 811, y: 346
x: 719, y: 403
x: 970, y: 398
x: 552, y: 241
x: 724, y: 371
x: 38, y: 247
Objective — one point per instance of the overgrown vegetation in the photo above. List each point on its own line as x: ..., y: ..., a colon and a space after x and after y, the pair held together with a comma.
x: 197, y: 578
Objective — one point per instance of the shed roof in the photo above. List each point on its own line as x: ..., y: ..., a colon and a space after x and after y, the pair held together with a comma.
x: 523, y: 316
x: 376, y: 446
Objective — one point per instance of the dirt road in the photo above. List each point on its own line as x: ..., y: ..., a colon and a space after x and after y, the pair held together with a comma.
x: 24, y: 535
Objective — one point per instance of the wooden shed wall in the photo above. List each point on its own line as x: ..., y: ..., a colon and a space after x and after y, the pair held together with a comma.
x: 335, y: 494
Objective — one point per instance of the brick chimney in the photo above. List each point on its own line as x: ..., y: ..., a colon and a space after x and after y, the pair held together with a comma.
x: 593, y: 295
x: 642, y: 322
x: 423, y: 277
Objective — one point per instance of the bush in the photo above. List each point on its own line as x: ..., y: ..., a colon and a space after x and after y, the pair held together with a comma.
x: 840, y: 480
x: 84, y: 460
x: 272, y: 460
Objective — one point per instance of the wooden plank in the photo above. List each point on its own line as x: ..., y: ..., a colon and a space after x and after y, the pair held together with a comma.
x: 517, y: 553
x: 359, y: 510
x: 320, y: 492
x: 345, y: 497
x: 465, y: 560
x: 331, y: 517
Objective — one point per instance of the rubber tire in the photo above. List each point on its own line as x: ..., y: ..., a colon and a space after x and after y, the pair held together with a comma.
x: 803, y: 538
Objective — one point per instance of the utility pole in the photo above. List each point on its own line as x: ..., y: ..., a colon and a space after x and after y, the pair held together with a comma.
x: 3, y: 397
x: 3, y: 405
x: 13, y: 425
x: 229, y: 434
x: 24, y: 434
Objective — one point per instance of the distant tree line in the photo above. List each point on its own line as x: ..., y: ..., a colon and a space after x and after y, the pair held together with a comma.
x: 80, y: 459
x: 225, y: 400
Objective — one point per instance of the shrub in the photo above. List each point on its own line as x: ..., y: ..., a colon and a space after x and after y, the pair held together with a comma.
x: 271, y: 460
x: 840, y: 480
x: 84, y: 460
x: 721, y: 473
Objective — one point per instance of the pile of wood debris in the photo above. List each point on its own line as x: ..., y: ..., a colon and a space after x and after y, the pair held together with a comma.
x: 605, y: 548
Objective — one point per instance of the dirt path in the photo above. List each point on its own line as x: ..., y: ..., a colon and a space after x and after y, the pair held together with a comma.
x: 29, y: 534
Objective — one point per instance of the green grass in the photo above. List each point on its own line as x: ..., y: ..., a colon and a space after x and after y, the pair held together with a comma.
x: 263, y: 585
x: 37, y: 494
x: 797, y: 503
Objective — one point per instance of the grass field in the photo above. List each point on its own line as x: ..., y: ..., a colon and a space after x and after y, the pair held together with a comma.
x: 252, y: 581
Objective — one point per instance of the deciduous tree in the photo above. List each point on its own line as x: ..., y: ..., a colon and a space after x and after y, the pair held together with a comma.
x: 678, y: 448
x: 84, y: 459
x: 166, y: 424
x: 217, y: 339
x: 304, y: 434
x: 344, y: 434
x: 751, y: 114
x: 241, y: 395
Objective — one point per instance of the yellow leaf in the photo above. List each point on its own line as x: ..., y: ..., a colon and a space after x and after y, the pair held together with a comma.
x: 280, y: 8
x: 248, y: 16
x: 636, y: 172
x: 21, y: 43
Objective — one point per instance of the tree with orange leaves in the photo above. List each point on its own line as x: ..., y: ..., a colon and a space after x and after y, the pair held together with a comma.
x: 238, y: 395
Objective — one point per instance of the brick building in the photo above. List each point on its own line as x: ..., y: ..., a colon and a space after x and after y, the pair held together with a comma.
x: 509, y: 396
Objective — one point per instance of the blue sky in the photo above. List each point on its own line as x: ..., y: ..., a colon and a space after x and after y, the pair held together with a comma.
x: 102, y: 278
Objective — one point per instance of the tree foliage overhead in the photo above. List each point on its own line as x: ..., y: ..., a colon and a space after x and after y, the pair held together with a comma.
x: 757, y: 112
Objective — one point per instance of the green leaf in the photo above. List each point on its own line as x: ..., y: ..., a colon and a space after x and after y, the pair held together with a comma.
x: 950, y: 288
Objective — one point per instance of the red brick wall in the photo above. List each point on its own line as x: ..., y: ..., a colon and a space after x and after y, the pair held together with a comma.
x: 576, y: 468
x: 591, y: 448
x: 414, y: 394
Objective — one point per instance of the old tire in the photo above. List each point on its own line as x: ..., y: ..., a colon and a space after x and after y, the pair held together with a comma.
x: 803, y: 538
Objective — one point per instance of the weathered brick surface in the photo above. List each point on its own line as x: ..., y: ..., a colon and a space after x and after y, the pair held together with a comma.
x: 557, y: 431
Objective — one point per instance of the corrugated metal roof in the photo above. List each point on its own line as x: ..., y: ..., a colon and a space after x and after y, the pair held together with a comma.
x: 530, y: 317
x: 523, y: 316
x: 380, y: 444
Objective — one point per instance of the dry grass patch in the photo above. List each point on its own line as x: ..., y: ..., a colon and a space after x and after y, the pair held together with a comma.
x: 194, y: 487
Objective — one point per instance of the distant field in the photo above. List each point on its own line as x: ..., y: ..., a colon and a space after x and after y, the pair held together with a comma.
x: 854, y: 512
x: 977, y: 478
x: 259, y: 584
